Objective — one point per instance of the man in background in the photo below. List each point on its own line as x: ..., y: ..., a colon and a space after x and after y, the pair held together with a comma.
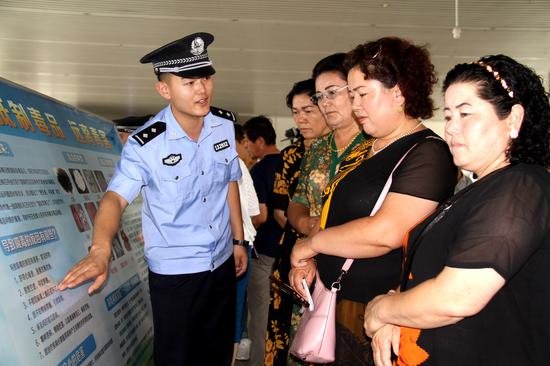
x: 260, y: 136
x: 250, y: 208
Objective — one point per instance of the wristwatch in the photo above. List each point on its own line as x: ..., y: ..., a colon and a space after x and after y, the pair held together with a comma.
x: 242, y: 243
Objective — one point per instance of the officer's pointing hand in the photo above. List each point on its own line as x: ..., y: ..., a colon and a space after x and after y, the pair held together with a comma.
x: 94, y: 265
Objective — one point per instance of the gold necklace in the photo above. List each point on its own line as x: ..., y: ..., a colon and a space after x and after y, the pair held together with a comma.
x: 374, y: 151
x: 342, y: 149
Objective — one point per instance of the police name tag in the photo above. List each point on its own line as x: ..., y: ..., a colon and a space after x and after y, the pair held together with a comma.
x: 171, y: 159
x: 218, y: 146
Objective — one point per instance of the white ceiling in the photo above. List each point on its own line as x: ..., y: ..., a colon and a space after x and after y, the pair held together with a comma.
x: 86, y: 53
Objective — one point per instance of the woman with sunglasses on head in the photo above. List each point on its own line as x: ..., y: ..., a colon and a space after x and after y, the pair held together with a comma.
x: 390, y: 81
x: 475, y: 286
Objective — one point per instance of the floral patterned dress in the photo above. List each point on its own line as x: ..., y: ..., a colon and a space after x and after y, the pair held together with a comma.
x: 317, y: 168
x: 280, y: 308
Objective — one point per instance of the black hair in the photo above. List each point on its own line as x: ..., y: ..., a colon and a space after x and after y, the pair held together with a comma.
x: 301, y: 87
x: 532, y: 144
x: 332, y: 63
x: 395, y: 61
x: 239, y: 132
x: 260, y: 126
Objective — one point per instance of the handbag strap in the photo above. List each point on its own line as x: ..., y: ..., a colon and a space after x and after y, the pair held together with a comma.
x: 381, y: 198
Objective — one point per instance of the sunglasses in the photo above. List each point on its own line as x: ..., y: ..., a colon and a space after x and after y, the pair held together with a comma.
x: 288, y: 290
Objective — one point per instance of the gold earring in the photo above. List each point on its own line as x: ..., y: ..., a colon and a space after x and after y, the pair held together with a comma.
x: 400, y: 108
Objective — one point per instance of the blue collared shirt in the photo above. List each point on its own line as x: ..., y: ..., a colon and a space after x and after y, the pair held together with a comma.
x: 185, y: 216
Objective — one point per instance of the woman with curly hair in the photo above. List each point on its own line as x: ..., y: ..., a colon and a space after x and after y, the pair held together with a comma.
x: 475, y: 286
x: 390, y: 81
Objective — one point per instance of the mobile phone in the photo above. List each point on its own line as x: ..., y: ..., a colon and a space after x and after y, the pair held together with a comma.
x: 287, y: 289
x: 308, y: 293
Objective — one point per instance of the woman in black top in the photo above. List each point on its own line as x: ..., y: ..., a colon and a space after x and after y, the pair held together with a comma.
x: 475, y: 287
x: 390, y: 82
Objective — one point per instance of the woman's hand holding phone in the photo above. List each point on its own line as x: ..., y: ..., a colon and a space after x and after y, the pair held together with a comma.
x: 296, y: 275
x: 311, y: 306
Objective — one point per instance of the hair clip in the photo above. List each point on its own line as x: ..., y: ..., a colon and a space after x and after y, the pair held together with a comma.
x: 378, y: 53
x: 497, y: 77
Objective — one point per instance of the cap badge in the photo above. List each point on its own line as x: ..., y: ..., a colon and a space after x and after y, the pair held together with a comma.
x: 197, y: 46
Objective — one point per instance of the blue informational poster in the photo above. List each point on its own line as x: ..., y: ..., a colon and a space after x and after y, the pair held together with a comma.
x: 55, y: 162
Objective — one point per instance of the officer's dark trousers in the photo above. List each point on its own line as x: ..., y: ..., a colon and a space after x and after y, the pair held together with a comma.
x: 194, y: 317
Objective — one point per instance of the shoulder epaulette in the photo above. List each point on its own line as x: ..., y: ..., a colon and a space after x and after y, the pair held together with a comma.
x: 223, y: 113
x: 149, y: 133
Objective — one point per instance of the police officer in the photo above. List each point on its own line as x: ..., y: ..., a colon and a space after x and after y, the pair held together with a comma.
x: 184, y: 161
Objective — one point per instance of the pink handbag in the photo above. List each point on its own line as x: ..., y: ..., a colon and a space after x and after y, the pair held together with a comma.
x: 315, y: 339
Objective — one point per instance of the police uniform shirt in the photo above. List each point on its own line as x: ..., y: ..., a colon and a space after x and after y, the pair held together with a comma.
x: 185, y: 215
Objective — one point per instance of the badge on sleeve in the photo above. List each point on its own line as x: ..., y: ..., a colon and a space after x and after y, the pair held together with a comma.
x: 171, y: 159
x: 219, y: 146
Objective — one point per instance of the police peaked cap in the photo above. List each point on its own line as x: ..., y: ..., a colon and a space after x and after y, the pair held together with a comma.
x: 186, y: 57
